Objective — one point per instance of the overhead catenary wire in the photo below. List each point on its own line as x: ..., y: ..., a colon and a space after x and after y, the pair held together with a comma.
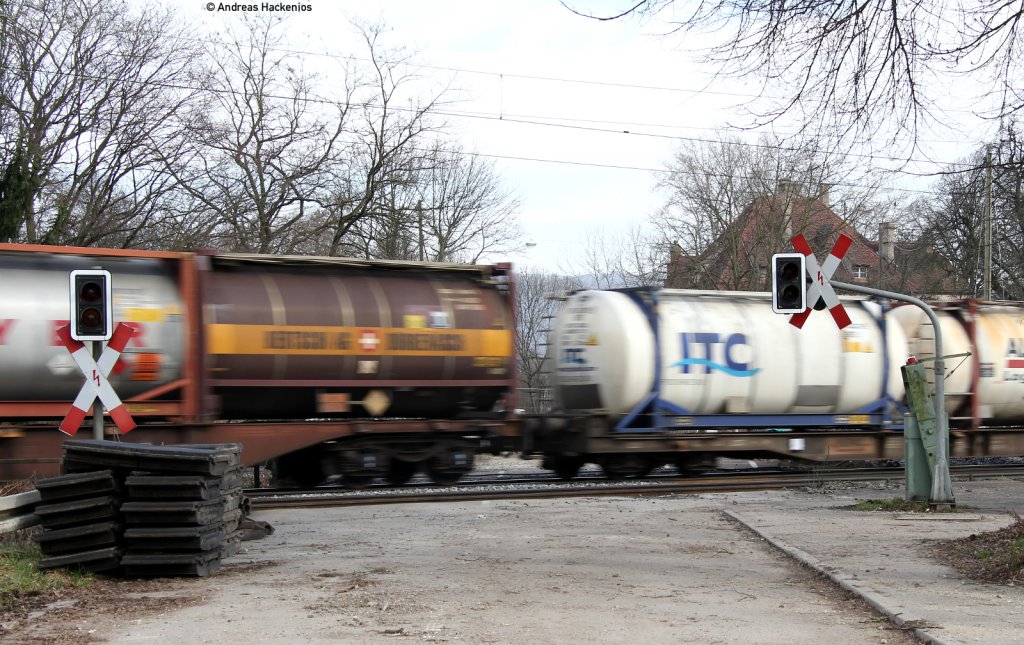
x: 575, y: 123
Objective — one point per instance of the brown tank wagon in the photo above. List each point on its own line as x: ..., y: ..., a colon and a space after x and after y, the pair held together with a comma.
x: 329, y: 366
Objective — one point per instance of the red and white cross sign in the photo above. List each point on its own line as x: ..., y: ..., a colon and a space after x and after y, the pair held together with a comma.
x: 369, y: 340
x: 96, y: 383
x: 820, y: 276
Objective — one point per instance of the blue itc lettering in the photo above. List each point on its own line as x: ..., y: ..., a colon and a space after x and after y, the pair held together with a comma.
x: 573, y: 356
x: 709, y: 340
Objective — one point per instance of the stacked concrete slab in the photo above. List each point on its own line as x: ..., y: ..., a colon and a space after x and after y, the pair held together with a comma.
x: 81, y: 521
x: 181, y: 524
x: 166, y: 510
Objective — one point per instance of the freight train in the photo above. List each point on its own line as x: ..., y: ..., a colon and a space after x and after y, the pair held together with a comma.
x: 328, y: 366
x: 645, y: 377
x: 355, y: 369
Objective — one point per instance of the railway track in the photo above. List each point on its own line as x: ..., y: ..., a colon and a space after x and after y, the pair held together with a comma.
x: 543, y: 485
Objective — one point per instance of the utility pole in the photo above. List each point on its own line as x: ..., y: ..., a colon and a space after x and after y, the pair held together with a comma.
x: 986, y: 293
x: 419, y: 225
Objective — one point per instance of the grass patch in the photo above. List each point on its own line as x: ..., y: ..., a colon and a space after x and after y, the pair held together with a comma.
x: 20, y: 578
x: 13, y: 488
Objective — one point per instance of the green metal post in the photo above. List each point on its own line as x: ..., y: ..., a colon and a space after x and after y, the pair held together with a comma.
x: 919, y: 400
x: 942, y: 486
x: 917, y: 470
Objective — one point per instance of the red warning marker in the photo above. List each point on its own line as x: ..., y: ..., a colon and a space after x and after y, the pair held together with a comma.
x: 820, y: 280
x: 96, y: 383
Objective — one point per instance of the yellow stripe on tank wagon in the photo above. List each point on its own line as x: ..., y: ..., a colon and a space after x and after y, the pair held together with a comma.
x: 145, y: 314
x: 344, y: 341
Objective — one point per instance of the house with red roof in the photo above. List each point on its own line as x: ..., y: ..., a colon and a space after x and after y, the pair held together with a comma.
x: 739, y: 259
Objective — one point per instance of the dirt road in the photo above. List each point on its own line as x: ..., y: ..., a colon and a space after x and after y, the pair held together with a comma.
x: 599, y: 570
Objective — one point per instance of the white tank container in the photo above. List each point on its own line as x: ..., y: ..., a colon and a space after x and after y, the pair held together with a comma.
x: 999, y: 341
x: 720, y: 353
x: 34, y: 294
x: 999, y: 344
x: 921, y: 344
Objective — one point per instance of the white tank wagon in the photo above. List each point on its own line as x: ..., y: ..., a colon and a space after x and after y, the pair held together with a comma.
x: 645, y: 377
x: 985, y: 384
x: 701, y: 357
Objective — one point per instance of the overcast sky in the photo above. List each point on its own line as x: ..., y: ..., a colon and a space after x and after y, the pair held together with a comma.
x: 579, y: 115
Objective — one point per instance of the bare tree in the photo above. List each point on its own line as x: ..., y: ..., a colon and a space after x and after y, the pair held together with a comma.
x: 1008, y: 212
x: 537, y: 303
x: 931, y: 258
x: 384, y: 155
x: 953, y: 220
x: 388, y: 231
x: 88, y: 97
x: 638, y: 259
x: 860, y: 68
x: 449, y: 207
x: 731, y: 204
x: 264, y: 149
x: 463, y: 211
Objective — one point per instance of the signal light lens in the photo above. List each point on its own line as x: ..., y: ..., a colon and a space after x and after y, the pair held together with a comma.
x: 90, y: 317
x: 90, y: 292
x: 790, y: 271
x: 790, y: 296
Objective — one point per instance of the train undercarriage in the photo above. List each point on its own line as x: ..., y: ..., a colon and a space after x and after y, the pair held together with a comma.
x: 567, y: 442
x: 307, y: 453
x: 357, y: 461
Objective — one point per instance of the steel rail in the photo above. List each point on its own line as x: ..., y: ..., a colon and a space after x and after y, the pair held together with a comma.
x: 499, y: 490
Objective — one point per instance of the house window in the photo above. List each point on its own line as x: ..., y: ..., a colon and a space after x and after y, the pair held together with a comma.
x: 860, y: 271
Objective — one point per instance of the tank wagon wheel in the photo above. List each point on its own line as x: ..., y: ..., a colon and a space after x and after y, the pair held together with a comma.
x: 401, y: 472
x: 302, y: 467
x: 448, y: 466
x: 566, y: 467
x: 694, y: 464
x: 626, y: 467
x: 355, y: 481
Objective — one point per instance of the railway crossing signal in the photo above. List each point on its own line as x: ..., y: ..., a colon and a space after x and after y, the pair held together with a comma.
x: 96, y: 383
x: 822, y: 287
x: 820, y: 280
x: 91, y: 308
x: 789, y: 286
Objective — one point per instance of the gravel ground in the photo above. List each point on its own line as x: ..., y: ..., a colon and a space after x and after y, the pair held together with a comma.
x: 600, y: 570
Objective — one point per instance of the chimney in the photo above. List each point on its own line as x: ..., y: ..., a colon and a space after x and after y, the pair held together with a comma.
x: 823, y: 194
x: 887, y: 241
x: 674, y: 252
x: 788, y: 190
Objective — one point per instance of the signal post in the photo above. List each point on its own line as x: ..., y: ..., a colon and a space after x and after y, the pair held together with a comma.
x: 91, y: 314
x: 785, y: 299
x: 92, y: 321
